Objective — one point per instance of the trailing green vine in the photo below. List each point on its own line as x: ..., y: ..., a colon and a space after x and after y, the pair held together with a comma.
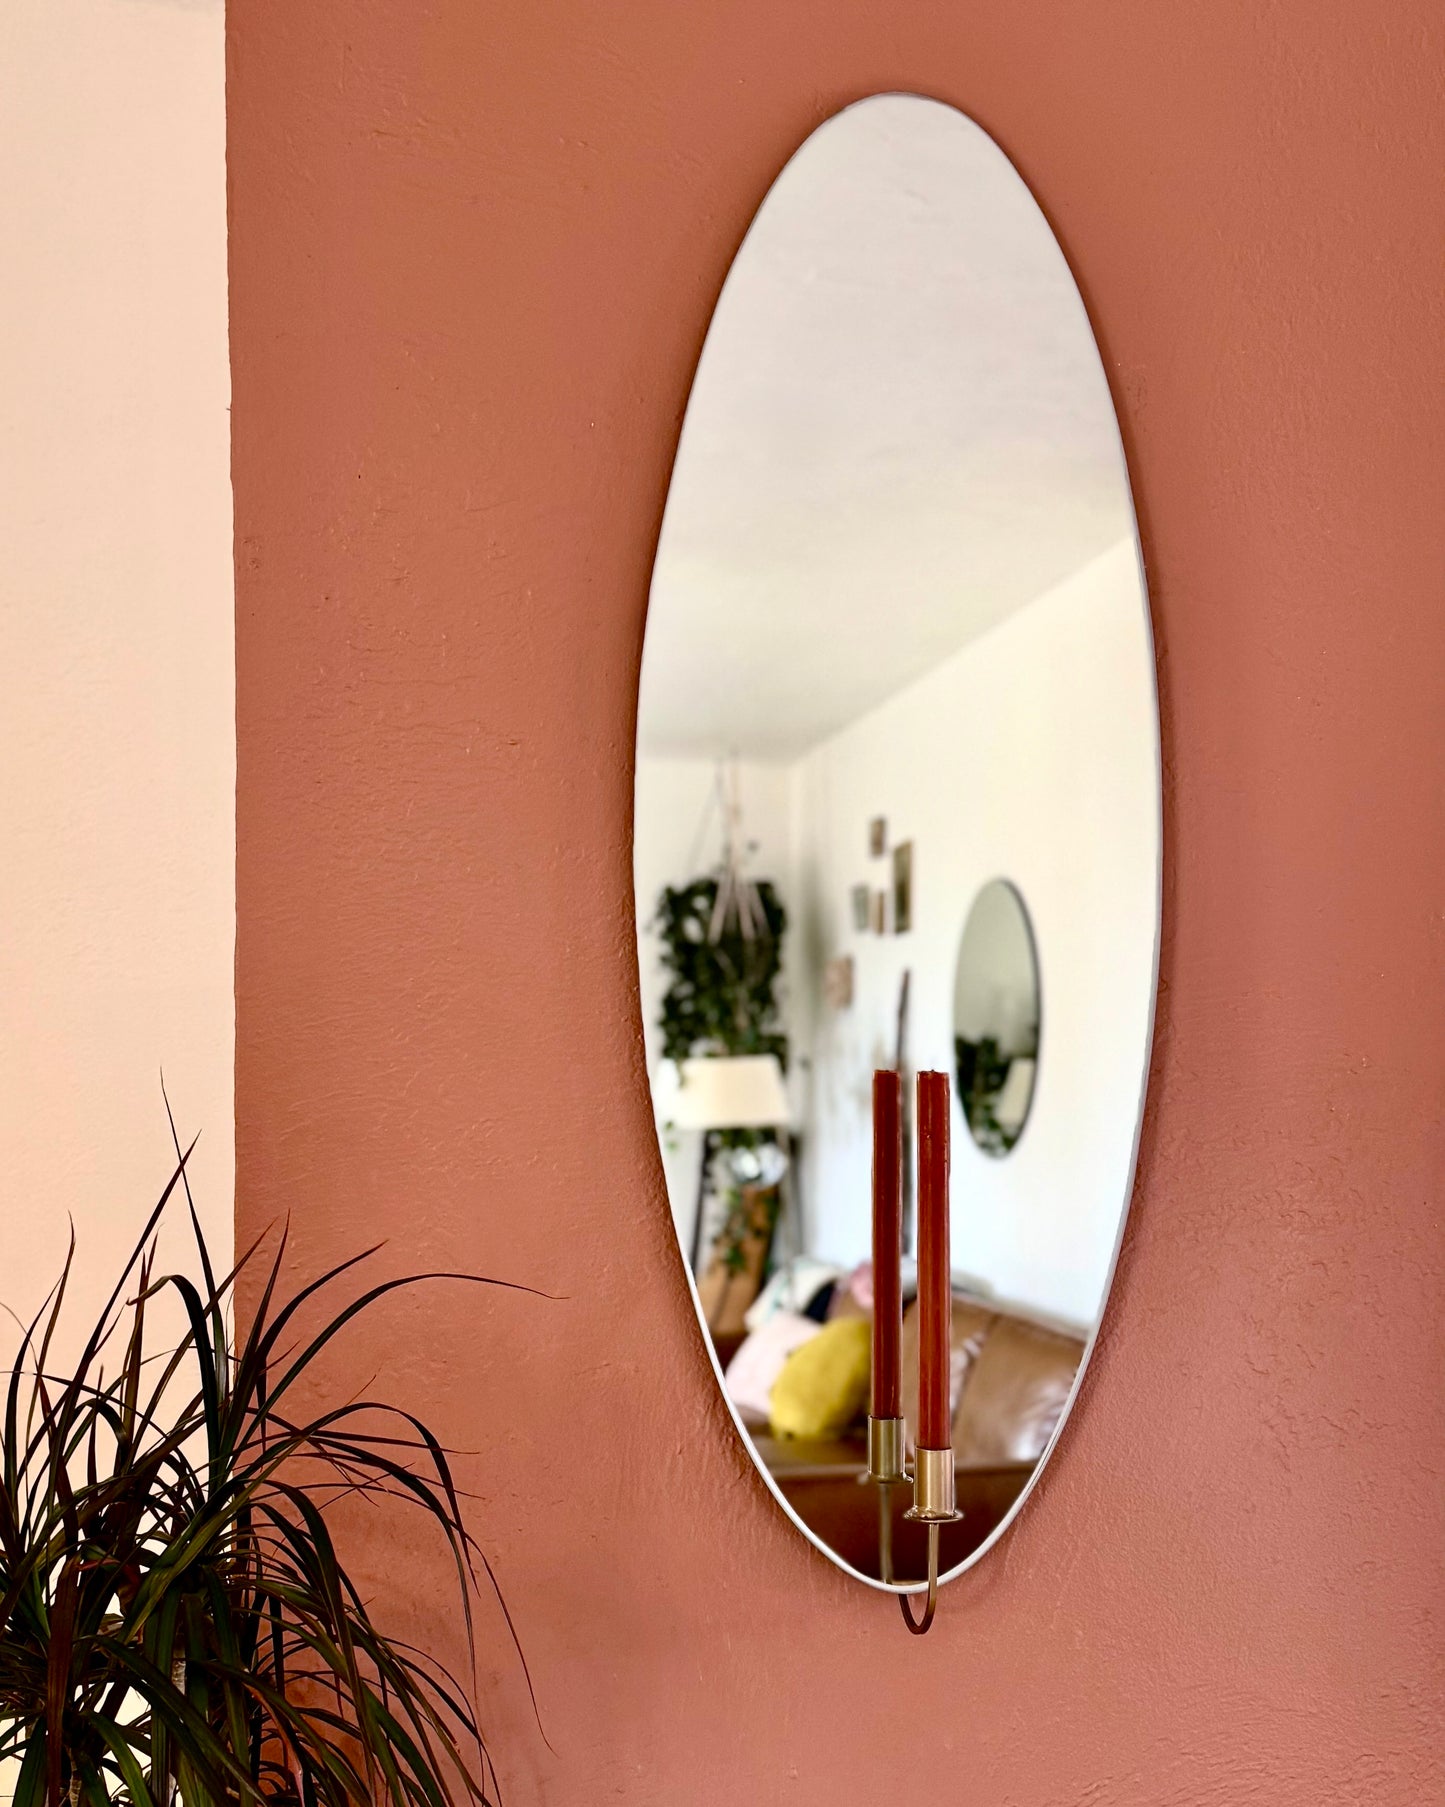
x: 722, y: 999
x: 721, y: 995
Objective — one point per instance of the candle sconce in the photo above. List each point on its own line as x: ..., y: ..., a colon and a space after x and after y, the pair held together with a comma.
x: 934, y: 1500
x: 933, y: 1505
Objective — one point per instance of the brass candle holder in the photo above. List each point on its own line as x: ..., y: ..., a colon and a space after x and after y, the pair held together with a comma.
x: 886, y: 1439
x: 934, y: 1505
x: 885, y: 1451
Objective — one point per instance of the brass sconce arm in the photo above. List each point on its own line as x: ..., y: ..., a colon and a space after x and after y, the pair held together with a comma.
x: 934, y: 1503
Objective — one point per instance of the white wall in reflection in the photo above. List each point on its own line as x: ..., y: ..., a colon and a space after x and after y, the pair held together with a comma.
x: 1028, y: 755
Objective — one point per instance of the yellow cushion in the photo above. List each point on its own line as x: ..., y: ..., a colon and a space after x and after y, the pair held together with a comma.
x: 824, y: 1384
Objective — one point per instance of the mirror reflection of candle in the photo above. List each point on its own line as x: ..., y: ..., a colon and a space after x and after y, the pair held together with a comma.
x: 935, y: 1281
x: 887, y: 1243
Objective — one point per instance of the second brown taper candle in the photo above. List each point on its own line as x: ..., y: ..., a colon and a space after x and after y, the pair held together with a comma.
x: 935, y: 1277
x: 886, y: 1390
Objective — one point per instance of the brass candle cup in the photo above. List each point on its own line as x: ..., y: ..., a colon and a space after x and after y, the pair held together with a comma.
x: 934, y: 1505
x: 934, y: 1499
x: 885, y: 1451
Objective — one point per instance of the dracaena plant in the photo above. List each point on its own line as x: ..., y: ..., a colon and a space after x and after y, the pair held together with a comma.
x: 176, y: 1624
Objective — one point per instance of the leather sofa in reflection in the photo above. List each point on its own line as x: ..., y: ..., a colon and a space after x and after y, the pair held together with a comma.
x: 1012, y: 1376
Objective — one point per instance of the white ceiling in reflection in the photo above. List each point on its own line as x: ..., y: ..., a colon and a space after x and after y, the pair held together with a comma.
x: 900, y: 433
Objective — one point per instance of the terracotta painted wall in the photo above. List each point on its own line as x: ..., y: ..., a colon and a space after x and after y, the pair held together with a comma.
x: 474, y: 250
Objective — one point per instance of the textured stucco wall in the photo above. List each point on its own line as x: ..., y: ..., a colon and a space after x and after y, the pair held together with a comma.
x: 474, y: 251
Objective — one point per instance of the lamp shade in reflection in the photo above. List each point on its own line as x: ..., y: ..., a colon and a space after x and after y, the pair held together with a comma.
x: 734, y: 1091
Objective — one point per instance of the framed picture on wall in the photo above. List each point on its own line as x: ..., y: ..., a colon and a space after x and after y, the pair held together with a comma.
x: 903, y: 887
x: 880, y: 913
x: 878, y: 837
x: 862, y: 909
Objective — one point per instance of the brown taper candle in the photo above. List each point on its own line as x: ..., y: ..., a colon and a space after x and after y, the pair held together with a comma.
x: 935, y: 1280
x: 887, y: 1242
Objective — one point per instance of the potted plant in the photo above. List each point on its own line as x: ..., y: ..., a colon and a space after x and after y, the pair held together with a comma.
x: 722, y: 941
x: 176, y: 1623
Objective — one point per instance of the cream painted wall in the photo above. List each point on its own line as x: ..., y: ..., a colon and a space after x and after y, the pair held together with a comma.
x: 117, y: 825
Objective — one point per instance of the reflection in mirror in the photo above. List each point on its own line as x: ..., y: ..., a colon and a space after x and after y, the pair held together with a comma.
x: 996, y: 1018
x: 897, y: 646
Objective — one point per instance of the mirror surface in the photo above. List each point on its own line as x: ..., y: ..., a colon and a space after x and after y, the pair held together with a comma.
x: 897, y: 646
x: 996, y: 1014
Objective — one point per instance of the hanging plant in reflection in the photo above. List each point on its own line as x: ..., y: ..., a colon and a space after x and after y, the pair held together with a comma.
x: 722, y: 949
x: 722, y: 976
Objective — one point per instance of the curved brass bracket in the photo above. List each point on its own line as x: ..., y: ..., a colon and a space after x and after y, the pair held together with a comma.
x: 933, y: 1504
x: 919, y: 1626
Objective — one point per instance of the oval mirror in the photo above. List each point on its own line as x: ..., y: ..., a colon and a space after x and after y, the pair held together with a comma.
x: 996, y: 1018
x: 897, y: 645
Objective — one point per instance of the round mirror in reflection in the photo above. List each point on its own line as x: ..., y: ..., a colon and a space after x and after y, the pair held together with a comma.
x: 996, y: 1014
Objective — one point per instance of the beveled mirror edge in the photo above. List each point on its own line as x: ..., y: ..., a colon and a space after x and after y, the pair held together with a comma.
x: 1131, y: 1179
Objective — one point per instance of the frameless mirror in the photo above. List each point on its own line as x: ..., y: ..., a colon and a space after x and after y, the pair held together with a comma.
x: 996, y: 1017
x: 897, y: 805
